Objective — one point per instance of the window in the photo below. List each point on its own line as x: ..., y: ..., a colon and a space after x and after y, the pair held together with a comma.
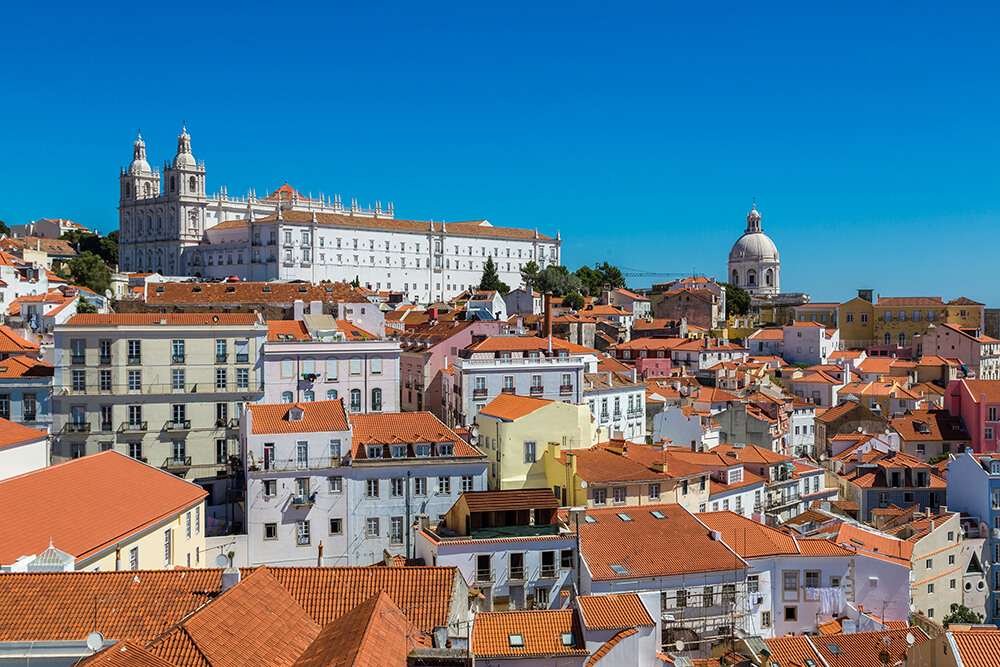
x: 618, y: 494
x: 242, y: 348
x: 355, y: 400
x: 355, y: 366
x: 548, y: 564
x: 765, y: 619
x: 790, y: 582
x: 371, y: 488
x: 243, y: 380
x: 177, y: 351
x: 336, y: 526
x: 220, y: 378
x: 270, y: 531
x: 396, y: 530
x: 133, y: 558
x: 791, y: 614
x: 396, y: 487
x: 529, y: 452
x: 654, y: 491
x: 930, y: 588
x: 302, y: 537
x: 220, y: 350
x: 812, y: 579
x: 270, y: 488
x: 104, y: 379
x: 444, y: 485
x: 80, y: 380
x: 168, y: 548
x: 467, y: 484
x: 177, y: 379
x: 135, y: 352
x: 753, y: 584
x: 420, y: 486
x: 371, y: 527
x: 336, y: 484
x: 566, y: 559
x: 708, y: 596
x: 929, y: 563
x: 600, y: 496
x: 681, y: 598
x: 302, y: 454
x: 376, y: 405
x: 286, y: 397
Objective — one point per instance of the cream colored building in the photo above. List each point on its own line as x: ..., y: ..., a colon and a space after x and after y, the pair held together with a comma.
x: 937, y: 563
x: 104, y: 512
x: 515, y: 430
x: 166, y: 389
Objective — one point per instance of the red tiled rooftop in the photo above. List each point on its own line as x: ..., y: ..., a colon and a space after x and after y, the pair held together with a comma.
x: 541, y: 633
x: 613, y: 612
x: 308, y: 417
x: 509, y: 407
x: 162, y: 319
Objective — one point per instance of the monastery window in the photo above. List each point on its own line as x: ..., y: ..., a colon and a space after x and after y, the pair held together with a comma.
x: 902, y: 339
x: 902, y: 316
x: 769, y: 277
x: 864, y: 318
x: 888, y: 316
x: 887, y: 338
x: 192, y: 184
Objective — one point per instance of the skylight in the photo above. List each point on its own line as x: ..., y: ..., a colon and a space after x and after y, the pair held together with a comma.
x: 657, y: 514
x: 590, y: 519
x: 515, y: 641
x: 624, y: 517
x: 618, y: 569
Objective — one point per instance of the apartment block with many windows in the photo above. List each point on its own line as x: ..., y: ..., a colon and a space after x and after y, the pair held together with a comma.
x: 166, y: 389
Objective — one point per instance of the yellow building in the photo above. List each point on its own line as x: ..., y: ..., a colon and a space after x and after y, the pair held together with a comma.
x: 101, y: 512
x: 515, y: 430
x: 823, y: 313
x: 856, y: 320
x: 895, y: 325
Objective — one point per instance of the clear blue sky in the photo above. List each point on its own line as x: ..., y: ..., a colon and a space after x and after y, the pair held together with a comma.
x: 867, y: 133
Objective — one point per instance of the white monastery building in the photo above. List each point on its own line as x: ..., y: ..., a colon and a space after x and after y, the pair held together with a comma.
x: 171, y: 225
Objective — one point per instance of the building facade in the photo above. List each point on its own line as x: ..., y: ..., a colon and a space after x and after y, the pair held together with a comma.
x: 754, y: 263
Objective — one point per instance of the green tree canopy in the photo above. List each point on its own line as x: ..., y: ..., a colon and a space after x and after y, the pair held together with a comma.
x: 594, y: 279
x: 737, y: 300
x: 84, y: 306
x: 529, y: 274
x: 573, y: 300
x: 89, y: 270
x: 105, y: 247
x: 961, y: 614
x: 557, y: 280
x: 4, y: 229
x: 491, y: 279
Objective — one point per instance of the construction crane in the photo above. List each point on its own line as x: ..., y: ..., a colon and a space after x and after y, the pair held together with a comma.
x: 629, y: 272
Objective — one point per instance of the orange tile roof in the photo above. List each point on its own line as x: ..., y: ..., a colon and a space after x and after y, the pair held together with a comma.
x: 929, y: 425
x: 909, y: 301
x: 862, y: 649
x: 13, y: 434
x: 124, y: 654
x: 977, y: 648
x: 747, y: 537
x: 611, y: 541
x: 389, y: 428
x: 605, y: 648
x: 613, y: 612
x: 23, y: 366
x: 86, y: 505
x: 792, y: 651
x: 168, y: 319
x: 251, y: 293
x: 286, y: 330
x: 983, y: 389
x: 13, y: 343
x: 509, y: 407
x: 352, y: 331
x: 316, y: 416
x: 768, y: 334
x: 541, y: 633
x: 253, y: 623
x: 753, y: 454
x: 871, y: 542
x: 602, y: 463
x: 510, y: 499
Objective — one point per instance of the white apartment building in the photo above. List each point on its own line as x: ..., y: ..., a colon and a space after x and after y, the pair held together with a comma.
x: 687, y: 426
x: 809, y: 343
x: 617, y: 402
x: 548, y: 368
x: 174, y: 227
x: 336, y: 489
x: 322, y: 358
x: 162, y: 388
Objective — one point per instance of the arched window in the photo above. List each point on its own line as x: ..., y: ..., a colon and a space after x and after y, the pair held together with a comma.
x: 286, y: 397
x: 769, y: 277
x: 309, y: 395
x: 902, y: 340
x: 736, y: 277
x: 173, y: 184
x: 147, y: 189
x: 376, y: 400
x: 331, y: 394
x: 355, y: 400
x: 128, y: 189
x: 192, y: 184
x: 888, y: 338
x: 751, y: 278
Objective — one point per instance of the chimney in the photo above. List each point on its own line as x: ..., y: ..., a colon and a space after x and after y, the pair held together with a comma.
x: 230, y: 577
x: 298, y: 309
x: 547, y: 329
x: 315, y: 307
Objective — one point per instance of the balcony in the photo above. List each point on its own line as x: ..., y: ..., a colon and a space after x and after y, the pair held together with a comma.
x: 548, y: 572
x: 535, y: 391
x: 516, y: 574
x: 177, y: 359
x: 77, y: 427
x: 133, y: 427
x: 242, y: 358
x: 617, y: 416
x: 565, y: 389
x: 181, y: 425
x: 508, y: 390
x: 303, y: 500
x: 220, y: 358
x: 78, y: 359
x: 106, y: 427
x: 176, y: 463
x: 134, y: 360
x: 480, y: 392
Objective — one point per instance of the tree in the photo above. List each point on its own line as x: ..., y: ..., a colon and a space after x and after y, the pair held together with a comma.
x: 4, y: 229
x: 491, y: 279
x: 737, y: 300
x: 573, y: 300
x: 557, y: 280
x: 595, y: 279
x: 84, y: 306
x: 961, y: 614
x: 89, y: 270
x: 105, y: 247
x: 529, y: 275
x: 356, y: 283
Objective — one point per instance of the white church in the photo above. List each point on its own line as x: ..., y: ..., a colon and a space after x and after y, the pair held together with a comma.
x: 169, y: 224
x: 754, y: 264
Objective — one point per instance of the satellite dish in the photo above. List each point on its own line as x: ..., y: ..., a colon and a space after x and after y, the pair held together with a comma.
x: 678, y: 645
x: 583, y: 484
x: 95, y: 641
x: 910, y: 639
x: 222, y: 560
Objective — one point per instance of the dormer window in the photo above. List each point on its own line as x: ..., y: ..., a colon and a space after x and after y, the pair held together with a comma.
x: 445, y: 449
x: 423, y: 450
x: 398, y: 451
x: 373, y: 451
x: 296, y: 414
x: 735, y: 475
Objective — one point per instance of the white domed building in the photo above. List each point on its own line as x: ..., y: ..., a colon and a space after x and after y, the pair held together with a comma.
x: 754, y: 263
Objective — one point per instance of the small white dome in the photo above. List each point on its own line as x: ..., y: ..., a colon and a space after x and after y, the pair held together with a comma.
x: 139, y: 166
x: 754, y: 247
x: 184, y: 161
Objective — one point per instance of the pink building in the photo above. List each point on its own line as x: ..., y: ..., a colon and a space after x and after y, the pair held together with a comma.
x: 978, y: 353
x: 977, y: 402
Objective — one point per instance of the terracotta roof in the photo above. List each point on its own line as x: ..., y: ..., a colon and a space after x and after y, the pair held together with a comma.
x: 753, y: 454
x: 251, y: 293
x: 167, y: 319
x: 86, y: 505
x: 309, y: 417
x: 838, y: 411
x: 13, y: 434
x: 748, y: 538
x: 768, y: 334
x: 287, y: 330
x: 13, y: 343
x: 23, y: 366
x: 977, y: 648
x: 651, y: 344
x: 979, y: 389
x: 390, y: 428
x: 254, y: 622
x: 352, y: 331
x: 125, y: 654
x: 862, y: 649
x: 875, y: 543
x: 909, y: 301
x: 57, y: 247
x: 793, y: 651
x: 473, y: 228
x: 613, y: 612
x: 541, y: 634
x: 509, y: 407
x: 527, y: 344
x: 618, y: 549
x: 929, y: 425
x: 602, y: 463
x: 511, y: 499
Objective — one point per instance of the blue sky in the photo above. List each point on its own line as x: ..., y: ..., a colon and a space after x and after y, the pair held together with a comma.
x: 641, y: 131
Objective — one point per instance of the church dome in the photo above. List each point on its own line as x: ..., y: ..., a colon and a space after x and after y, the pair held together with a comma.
x: 139, y: 165
x: 184, y: 158
x: 754, y: 247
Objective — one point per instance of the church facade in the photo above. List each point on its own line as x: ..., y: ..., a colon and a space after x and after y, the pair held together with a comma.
x: 169, y: 224
x: 754, y: 263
